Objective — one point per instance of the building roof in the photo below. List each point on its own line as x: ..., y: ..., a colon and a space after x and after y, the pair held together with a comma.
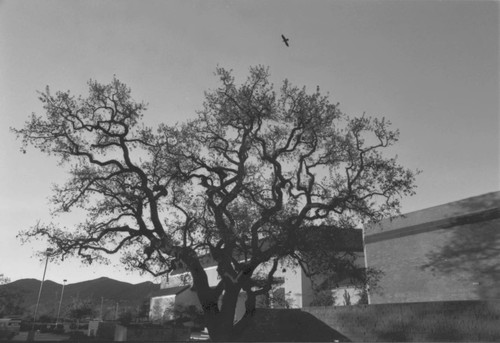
x: 453, y: 209
x: 477, y: 209
x: 169, y: 291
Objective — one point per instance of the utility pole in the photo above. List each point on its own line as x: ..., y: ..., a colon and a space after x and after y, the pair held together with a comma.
x: 31, y: 333
x: 60, y: 302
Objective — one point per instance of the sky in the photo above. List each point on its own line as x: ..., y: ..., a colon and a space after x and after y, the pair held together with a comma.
x: 430, y: 67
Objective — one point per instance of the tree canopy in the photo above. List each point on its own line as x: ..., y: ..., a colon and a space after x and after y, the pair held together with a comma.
x: 260, y: 176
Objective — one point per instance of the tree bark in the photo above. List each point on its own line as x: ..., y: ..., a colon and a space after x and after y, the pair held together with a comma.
x: 220, y: 320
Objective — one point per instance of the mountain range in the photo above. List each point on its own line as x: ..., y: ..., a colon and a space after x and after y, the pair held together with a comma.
x: 111, y: 293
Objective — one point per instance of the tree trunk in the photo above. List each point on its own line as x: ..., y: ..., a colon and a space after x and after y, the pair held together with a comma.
x: 220, y: 329
x: 215, y: 325
x: 219, y: 320
x: 220, y: 323
x: 250, y: 304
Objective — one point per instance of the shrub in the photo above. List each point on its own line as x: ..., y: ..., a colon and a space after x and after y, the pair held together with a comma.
x: 323, y: 298
x: 6, y: 335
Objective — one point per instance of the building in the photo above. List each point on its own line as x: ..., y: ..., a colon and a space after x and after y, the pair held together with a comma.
x: 443, y: 253
x: 295, y: 288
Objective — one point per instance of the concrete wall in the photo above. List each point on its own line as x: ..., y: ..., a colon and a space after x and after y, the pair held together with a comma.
x: 293, y: 277
x: 139, y: 333
x: 474, y: 321
x: 447, y: 252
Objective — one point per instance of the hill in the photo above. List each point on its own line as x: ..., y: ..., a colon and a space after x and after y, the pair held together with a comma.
x: 116, y: 296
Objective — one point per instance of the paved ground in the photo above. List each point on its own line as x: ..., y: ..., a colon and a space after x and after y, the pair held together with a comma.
x: 39, y: 337
x: 286, y: 325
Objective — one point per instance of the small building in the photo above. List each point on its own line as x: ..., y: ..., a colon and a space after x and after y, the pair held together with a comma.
x: 443, y: 253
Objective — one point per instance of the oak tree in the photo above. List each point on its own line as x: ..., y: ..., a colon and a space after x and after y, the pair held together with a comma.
x: 260, y: 178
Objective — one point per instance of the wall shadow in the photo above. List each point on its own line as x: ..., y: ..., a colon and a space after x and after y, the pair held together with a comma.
x: 473, y: 250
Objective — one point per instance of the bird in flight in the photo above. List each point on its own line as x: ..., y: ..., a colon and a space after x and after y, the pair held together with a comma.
x: 285, y: 40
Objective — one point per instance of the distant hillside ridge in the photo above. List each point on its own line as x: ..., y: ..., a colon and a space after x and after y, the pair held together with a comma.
x: 111, y: 292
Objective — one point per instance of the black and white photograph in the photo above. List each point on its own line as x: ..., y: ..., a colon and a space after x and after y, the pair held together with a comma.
x: 250, y: 170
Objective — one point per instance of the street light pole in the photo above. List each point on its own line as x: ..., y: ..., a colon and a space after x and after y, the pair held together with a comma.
x: 60, y: 302
x: 31, y: 334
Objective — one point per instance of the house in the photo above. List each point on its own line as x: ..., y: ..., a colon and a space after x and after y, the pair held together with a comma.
x: 443, y: 253
x: 294, y: 286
